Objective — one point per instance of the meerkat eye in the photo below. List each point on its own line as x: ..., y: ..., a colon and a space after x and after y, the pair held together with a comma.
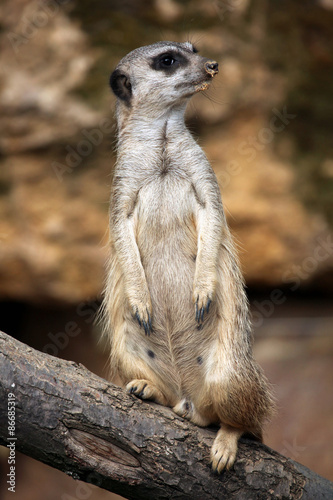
x: 168, y: 61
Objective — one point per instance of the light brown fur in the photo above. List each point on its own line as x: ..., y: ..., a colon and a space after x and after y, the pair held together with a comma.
x: 172, y: 258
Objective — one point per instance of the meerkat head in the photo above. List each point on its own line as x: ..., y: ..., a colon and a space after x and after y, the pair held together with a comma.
x: 155, y: 78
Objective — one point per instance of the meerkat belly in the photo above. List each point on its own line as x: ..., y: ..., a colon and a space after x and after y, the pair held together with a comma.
x: 167, y: 241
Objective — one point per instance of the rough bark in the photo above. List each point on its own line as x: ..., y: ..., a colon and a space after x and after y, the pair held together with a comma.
x: 72, y: 420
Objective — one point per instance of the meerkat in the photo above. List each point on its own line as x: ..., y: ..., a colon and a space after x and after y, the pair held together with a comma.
x: 174, y: 305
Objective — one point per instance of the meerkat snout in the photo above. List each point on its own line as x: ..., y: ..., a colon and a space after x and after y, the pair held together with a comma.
x: 212, y: 68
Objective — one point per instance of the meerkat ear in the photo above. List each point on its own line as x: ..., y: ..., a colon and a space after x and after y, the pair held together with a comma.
x: 121, y: 85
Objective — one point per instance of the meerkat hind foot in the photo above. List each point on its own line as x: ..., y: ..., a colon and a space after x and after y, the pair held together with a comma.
x: 144, y: 389
x: 224, y: 449
x: 186, y: 409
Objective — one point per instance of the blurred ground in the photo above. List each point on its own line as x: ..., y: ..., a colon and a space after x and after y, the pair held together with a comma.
x: 295, y: 349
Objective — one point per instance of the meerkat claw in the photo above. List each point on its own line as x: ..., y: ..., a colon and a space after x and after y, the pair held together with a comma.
x: 196, y: 309
x: 146, y: 328
x: 141, y: 393
x: 200, y: 312
x: 138, y: 318
x: 146, y: 325
x: 202, y: 306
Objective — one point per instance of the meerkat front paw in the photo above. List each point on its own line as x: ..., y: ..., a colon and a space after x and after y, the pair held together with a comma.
x: 203, y: 295
x: 224, y: 449
x: 142, y: 312
x: 144, y: 389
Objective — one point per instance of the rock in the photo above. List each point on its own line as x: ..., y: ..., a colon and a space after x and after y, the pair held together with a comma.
x: 274, y: 231
x: 56, y: 140
x: 44, y: 57
x: 52, y: 234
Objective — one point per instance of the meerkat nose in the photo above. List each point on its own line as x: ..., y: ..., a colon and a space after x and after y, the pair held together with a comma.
x: 212, y: 67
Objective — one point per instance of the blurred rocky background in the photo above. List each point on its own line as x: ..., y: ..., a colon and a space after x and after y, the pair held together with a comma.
x: 266, y: 126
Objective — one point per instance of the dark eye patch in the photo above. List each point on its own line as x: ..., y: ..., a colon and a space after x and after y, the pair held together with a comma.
x: 168, y: 62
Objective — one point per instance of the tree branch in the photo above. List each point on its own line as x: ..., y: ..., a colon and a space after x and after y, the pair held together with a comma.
x: 72, y: 420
